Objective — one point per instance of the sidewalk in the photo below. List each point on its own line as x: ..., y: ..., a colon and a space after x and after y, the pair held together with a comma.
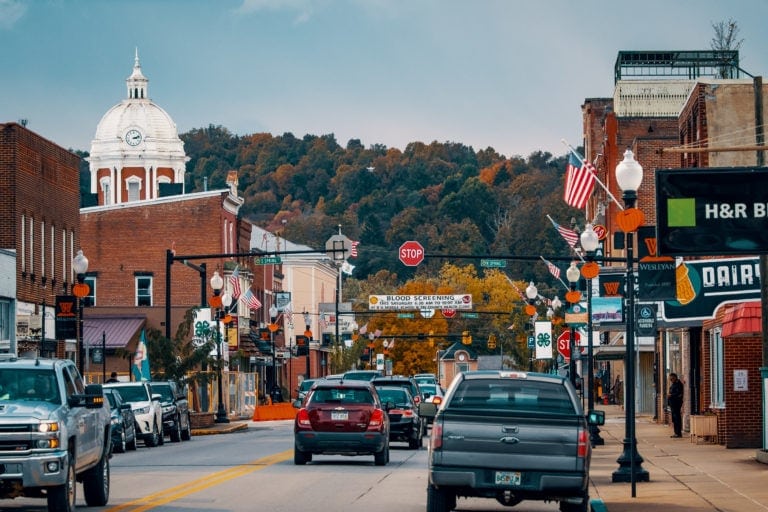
x: 684, y: 476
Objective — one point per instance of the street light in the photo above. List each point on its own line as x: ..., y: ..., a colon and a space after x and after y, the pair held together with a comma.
x: 629, y: 175
x: 274, y: 393
x: 217, y: 283
x: 573, y: 297
x: 80, y: 290
x: 531, y: 293
x: 590, y: 270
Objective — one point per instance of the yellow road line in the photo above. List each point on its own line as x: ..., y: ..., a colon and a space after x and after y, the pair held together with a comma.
x: 173, y: 493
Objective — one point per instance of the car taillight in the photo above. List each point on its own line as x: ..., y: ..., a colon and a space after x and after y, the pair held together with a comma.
x: 377, y: 419
x: 302, y: 419
x: 437, y: 400
x: 581, y: 449
x: 406, y: 413
x: 416, y: 399
x: 436, y: 437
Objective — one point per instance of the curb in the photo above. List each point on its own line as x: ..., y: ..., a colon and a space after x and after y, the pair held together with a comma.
x: 232, y: 427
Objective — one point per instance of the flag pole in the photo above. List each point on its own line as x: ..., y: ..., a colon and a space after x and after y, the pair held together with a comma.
x: 558, y: 278
x: 554, y: 225
x: 581, y: 159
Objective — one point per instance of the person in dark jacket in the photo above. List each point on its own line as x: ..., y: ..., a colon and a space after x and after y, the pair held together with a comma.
x: 675, y: 402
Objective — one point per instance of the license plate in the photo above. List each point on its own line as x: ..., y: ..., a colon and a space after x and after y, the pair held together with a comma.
x: 507, y: 478
x: 339, y: 415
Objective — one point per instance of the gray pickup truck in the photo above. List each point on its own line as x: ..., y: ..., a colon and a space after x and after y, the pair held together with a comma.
x: 54, y: 432
x: 511, y: 436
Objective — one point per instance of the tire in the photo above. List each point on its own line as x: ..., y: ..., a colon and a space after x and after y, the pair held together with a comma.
x: 176, y: 432
x: 415, y: 442
x: 161, y: 436
x: 152, y: 439
x: 186, y: 434
x: 62, y: 498
x: 96, y: 483
x: 440, y: 500
x: 299, y: 457
x: 575, y: 507
x: 122, y: 445
x: 132, y: 443
x: 381, y: 458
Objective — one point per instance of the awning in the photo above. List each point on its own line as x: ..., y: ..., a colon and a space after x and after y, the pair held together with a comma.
x: 116, y: 331
x: 744, y: 319
x: 615, y: 352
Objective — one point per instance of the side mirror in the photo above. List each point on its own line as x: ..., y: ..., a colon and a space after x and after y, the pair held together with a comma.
x: 297, y: 403
x: 596, y: 418
x: 157, y: 397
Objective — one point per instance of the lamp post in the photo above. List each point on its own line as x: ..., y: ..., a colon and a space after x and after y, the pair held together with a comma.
x: 590, y: 270
x: 629, y: 175
x: 275, y: 391
x: 217, y: 283
x: 80, y: 290
x: 531, y: 293
x: 573, y: 297
x: 338, y: 248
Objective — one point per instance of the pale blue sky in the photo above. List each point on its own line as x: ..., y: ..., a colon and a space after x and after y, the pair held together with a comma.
x: 507, y: 74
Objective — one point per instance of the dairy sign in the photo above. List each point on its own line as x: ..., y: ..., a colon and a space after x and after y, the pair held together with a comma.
x: 703, y: 285
x: 712, y: 211
x: 418, y: 302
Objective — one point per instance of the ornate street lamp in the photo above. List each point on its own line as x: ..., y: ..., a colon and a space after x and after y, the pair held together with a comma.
x: 80, y: 290
x: 590, y: 270
x: 274, y: 393
x: 629, y: 175
x: 573, y: 297
x: 217, y: 283
x: 532, y: 293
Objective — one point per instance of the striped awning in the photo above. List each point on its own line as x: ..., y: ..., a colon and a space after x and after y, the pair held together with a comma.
x: 114, y: 331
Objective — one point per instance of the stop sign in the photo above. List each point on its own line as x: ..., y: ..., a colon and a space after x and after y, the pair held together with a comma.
x: 448, y: 313
x: 564, y: 343
x: 411, y: 253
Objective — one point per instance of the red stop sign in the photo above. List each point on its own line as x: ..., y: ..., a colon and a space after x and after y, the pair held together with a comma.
x: 564, y: 343
x: 411, y: 253
x: 448, y: 313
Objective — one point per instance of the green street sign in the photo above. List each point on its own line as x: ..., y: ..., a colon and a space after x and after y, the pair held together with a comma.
x: 493, y: 263
x: 405, y: 315
x: 470, y: 315
x: 269, y: 260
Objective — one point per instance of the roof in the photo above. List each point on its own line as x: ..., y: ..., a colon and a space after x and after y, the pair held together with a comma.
x: 744, y: 319
x: 114, y: 331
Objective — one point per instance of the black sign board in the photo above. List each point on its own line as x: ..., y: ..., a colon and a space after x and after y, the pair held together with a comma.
x: 66, y: 317
x: 712, y: 211
x: 656, y: 274
x: 645, y: 319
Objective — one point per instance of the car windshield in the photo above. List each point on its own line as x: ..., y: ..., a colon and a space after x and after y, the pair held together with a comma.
x: 428, y: 389
x: 306, y: 384
x: 397, y: 396
x: 29, y: 385
x: 341, y: 396
x: 132, y: 393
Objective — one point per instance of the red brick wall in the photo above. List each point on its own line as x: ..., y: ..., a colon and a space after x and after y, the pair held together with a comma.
x: 742, y: 421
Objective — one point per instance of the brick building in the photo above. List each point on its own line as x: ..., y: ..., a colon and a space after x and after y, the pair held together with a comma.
x: 39, y: 214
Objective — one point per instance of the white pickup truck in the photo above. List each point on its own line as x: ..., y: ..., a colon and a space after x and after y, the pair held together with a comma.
x: 54, y: 432
x: 511, y: 436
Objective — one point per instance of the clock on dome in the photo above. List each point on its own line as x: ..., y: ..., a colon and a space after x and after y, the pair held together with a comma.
x: 133, y: 137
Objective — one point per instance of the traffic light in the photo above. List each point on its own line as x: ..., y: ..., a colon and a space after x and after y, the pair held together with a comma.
x: 491, y: 341
x: 466, y: 338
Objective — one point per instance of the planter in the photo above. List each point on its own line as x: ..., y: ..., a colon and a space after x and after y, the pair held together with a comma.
x: 704, y: 427
x: 201, y: 419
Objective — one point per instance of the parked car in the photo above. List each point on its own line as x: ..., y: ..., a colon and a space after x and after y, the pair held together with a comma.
x: 405, y: 424
x: 341, y: 417
x: 406, y: 382
x: 175, y: 406
x: 425, y: 378
x: 146, y: 408
x: 123, y: 422
x: 361, y: 374
x: 303, y: 388
x: 510, y: 436
x: 433, y: 394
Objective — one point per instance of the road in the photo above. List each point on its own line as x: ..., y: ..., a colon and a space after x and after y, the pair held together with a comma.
x: 253, y: 470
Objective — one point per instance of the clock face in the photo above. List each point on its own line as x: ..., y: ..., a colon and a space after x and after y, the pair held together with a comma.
x: 133, y: 137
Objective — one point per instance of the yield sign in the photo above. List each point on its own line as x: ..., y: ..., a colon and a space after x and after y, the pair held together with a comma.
x: 564, y: 343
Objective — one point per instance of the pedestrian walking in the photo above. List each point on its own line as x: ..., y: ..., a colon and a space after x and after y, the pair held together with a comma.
x: 675, y: 403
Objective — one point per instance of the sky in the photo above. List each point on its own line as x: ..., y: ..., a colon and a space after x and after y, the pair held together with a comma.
x: 507, y: 74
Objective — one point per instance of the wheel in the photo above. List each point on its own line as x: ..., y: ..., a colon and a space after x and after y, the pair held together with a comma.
x: 62, y: 497
x: 186, y: 434
x: 96, y: 483
x: 121, y: 446
x: 132, y: 443
x: 414, y: 442
x: 299, y: 457
x: 161, y: 435
x: 440, y: 500
x: 381, y: 458
x: 583, y: 506
x: 176, y: 432
x: 153, y: 439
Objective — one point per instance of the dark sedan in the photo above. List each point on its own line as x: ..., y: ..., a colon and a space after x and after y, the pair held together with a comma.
x: 404, y: 421
x: 123, y: 422
x: 341, y: 418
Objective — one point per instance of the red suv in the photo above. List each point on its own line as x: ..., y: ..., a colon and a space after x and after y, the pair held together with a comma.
x: 341, y: 417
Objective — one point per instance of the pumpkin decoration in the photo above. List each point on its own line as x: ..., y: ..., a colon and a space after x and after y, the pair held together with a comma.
x: 530, y: 309
x: 573, y: 296
x: 227, y: 319
x: 215, y: 301
x: 590, y: 270
x: 273, y: 327
x: 630, y: 219
x: 81, y: 290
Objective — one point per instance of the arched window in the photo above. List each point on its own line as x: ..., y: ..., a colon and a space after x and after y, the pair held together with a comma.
x: 133, y: 186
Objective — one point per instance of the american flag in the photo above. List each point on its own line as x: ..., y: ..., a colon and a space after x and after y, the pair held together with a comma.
x: 234, y: 280
x: 570, y: 236
x: 553, y: 269
x: 250, y: 300
x: 353, y: 251
x: 579, y: 182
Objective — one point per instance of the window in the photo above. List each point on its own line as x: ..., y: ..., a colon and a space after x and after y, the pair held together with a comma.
x: 716, y: 355
x: 133, y: 184
x: 5, y: 321
x: 106, y: 190
x: 143, y: 290
x: 90, y: 299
